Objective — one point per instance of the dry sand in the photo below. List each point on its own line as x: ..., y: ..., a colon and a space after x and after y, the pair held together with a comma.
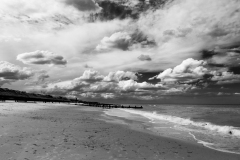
x: 68, y: 132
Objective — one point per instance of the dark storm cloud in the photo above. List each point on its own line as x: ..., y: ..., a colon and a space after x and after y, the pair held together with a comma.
x: 205, y: 54
x: 235, y: 69
x: 83, y: 5
x: 41, y: 58
x: 111, y: 10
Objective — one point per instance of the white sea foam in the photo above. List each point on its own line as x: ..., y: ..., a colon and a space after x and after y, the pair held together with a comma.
x: 211, y: 145
x: 227, y: 130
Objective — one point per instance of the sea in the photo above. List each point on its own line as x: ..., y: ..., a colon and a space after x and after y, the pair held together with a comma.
x: 213, y: 126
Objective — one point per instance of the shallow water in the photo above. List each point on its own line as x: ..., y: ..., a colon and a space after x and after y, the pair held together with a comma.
x: 214, y: 126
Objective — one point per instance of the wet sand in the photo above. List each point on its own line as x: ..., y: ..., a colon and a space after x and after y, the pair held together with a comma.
x: 68, y: 132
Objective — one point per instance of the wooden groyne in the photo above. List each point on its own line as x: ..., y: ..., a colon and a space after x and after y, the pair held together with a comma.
x: 109, y: 106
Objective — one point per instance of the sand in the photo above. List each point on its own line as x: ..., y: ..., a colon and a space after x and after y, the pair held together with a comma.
x: 30, y: 131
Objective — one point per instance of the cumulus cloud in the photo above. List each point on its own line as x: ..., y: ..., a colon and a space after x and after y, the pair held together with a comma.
x: 92, y: 83
x: 108, y: 95
x: 10, y: 72
x: 194, y: 74
x: 120, y: 75
x: 131, y: 85
x: 91, y: 76
x: 190, y: 76
x: 143, y: 57
x: 118, y: 40
x: 102, y: 87
x: 41, y: 58
x: 188, y: 70
x: 84, y: 83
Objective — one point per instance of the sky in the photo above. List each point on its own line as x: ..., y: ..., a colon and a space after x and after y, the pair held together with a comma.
x: 121, y: 51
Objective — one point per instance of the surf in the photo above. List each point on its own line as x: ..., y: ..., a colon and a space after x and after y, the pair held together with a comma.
x: 226, y: 130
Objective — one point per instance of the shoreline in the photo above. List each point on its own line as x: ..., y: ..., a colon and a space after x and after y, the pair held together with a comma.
x: 55, y: 131
x: 205, y: 145
x: 156, y: 123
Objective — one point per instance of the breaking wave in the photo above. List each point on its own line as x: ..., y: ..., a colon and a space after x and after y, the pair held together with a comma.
x: 212, y: 145
x: 227, y: 130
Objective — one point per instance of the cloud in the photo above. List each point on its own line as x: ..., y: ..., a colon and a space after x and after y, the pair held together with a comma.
x: 182, y: 29
x: 225, y: 57
x: 93, y: 83
x: 188, y: 70
x: 225, y: 78
x: 41, y: 58
x: 120, y: 75
x: 36, y: 11
x: 195, y: 74
x: 131, y: 85
x: 189, y: 77
x: 108, y: 95
x: 38, y: 78
x: 114, y: 9
x: 102, y: 87
x: 42, y: 77
x: 82, y: 84
x: 90, y: 76
x: 83, y: 5
x: 118, y: 40
x: 143, y: 57
x: 131, y: 3
x: 11, y: 73
x: 4, y: 81
x: 39, y: 18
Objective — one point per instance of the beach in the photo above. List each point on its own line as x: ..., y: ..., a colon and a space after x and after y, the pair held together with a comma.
x: 39, y: 131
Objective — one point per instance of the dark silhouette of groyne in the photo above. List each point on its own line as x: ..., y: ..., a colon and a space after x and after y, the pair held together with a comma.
x: 108, y: 106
